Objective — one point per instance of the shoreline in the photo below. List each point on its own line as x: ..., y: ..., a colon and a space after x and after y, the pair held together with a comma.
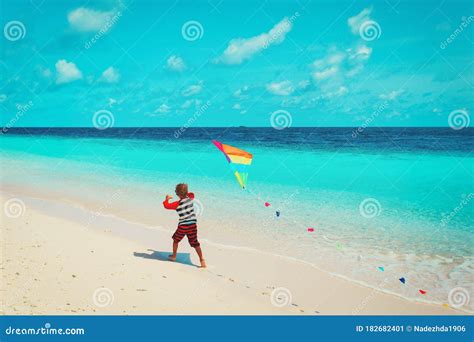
x: 367, y: 295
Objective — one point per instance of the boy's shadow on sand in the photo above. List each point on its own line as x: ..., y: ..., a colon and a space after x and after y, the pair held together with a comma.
x: 182, y: 258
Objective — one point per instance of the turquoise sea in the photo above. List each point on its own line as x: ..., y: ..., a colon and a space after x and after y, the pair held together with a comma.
x: 397, y: 198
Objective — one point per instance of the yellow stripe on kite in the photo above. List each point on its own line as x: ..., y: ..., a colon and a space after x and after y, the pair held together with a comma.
x: 237, y: 175
x: 240, y: 159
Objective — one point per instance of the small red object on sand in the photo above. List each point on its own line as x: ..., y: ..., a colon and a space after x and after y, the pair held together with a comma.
x: 310, y: 229
x: 267, y: 204
x: 422, y: 291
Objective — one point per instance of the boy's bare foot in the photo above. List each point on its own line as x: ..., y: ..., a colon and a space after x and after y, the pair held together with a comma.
x: 171, y: 257
x: 203, y: 263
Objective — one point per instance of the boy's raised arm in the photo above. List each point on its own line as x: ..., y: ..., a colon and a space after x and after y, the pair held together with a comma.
x: 168, y: 205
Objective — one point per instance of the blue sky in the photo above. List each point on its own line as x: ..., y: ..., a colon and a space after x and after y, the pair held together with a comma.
x: 237, y: 63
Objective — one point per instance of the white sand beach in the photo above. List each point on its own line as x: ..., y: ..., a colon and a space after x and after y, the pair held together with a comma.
x: 54, y: 264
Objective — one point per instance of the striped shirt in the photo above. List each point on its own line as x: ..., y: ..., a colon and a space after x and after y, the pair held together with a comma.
x: 186, y: 213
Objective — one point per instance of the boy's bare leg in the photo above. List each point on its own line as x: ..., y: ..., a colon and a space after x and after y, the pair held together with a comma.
x: 172, y: 257
x: 201, y: 258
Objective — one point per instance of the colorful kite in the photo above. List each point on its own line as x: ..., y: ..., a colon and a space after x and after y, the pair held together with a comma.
x: 238, y: 159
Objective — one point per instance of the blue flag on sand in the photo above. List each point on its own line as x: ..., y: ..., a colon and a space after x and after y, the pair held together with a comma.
x: 402, y: 280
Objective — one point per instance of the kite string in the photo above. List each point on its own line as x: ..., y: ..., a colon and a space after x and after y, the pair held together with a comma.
x: 332, y: 241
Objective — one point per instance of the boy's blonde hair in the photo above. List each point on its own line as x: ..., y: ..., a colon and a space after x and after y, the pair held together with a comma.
x: 182, y: 189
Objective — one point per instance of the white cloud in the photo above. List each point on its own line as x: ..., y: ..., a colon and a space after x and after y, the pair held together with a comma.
x: 354, y: 71
x: 338, y: 92
x: 241, y: 92
x: 362, y: 52
x: 176, y: 63
x: 333, y: 58
x: 193, y: 89
x: 67, y: 72
x: 329, y: 65
x: 237, y: 106
x: 85, y: 19
x: 110, y: 75
x: 112, y: 101
x: 164, y: 108
x: 188, y: 103
x: 302, y: 85
x: 241, y: 49
x: 282, y: 88
x: 326, y: 73
x: 392, y: 95
x: 356, y: 21
x: 3, y: 97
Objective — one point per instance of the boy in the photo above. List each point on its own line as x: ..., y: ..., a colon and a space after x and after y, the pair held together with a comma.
x: 187, y: 221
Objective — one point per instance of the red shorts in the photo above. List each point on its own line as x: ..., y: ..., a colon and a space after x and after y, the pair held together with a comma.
x: 190, y: 232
